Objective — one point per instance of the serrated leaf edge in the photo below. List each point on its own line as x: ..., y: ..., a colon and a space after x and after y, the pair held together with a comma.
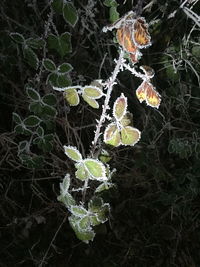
x: 115, y: 104
x: 95, y: 87
x: 74, y: 149
x: 139, y: 132
x: 100, y: 178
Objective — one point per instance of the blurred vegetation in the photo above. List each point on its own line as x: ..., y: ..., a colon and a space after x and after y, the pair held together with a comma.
x: 155, y: 216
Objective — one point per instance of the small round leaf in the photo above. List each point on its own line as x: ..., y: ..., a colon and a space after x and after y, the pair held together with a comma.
x: 70, y: 14
x: 67, y: 200
x: 65, y: 68
x: 40, y: 131
x: 49, y: 99
x: 63, y: 80
x: 17, y: 37
x: 73, y: 153
x: 92, y: 102
x: 81, y: 173
x: 78, y: 211
x: 92, y: 92
x: 120, y: 106
x: 16, y: 118
x: 130, y: 136
x: 31, y: 57
x: 33, y: 94
x: 49, y: 65
x: 112, y: 135
x: 71, y: 96
x: 32, y: 121
x: 96, y: 169
x: 127, y: 119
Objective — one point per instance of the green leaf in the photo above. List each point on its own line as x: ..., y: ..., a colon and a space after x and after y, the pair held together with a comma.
x: 17, y: 37
x: 127, y: 119
x: 102, y: 214
x: 81, y: 173
x: 83, y: 235
x: 78, y: 211
x: 52, y: 79
x: 40, y: 131
x: 84, y: 223
x: 57, y: 6
x: 114, y: 15
x: 112, y: 135
x: 23, y: 146
x: 49, y: 111
x: 62, y: 44
x: 93, y: 220
x: 33, y: 94
x: 47, y: 147
x: 63, y: 80
x: 70, y: 14
x: 92, y: 92
x: 65, y: 68
x: 110, y: 3
x: 95, y: 168
x: 36, y: 140
x: 21, y: 129
x: 64, y: 186
x: 103, y: 186
x: 73, y: 153
x: 58, y: 80
x: 48, y: 137
x: 36, y: 107
x: 49, y: 65
x: 71, y: 96
x: 119, y: 108
x: 27, y: 131
x: 99, y: 208
x: 49, y: 99
x: 130, y: 136
x: 50, y: 124
x: 32, y: 121
x: 30, y: 57
x: 67, y: 200
x: 16, y: 118
x: 95, y: 204
x: 172, y: 74
x: 34, y: 162
x: 104, y: 156
x: 92, y: 102
x: 35, y: 43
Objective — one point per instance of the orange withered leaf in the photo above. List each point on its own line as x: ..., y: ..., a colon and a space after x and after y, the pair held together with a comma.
x: 146, y: 92
x: 141, y: 35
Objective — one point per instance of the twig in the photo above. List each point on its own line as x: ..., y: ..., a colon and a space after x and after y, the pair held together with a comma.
x: 54, y: 237
x: 138, y: 8
x: 109, y: 86
x: 192, y: 15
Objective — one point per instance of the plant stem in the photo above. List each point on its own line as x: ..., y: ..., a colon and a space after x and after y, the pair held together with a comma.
x: 109, y: 87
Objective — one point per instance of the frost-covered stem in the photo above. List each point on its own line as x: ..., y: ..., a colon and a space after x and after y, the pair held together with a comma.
x: 85, y: 190
x: 133, y: 71
x: 109, y: 87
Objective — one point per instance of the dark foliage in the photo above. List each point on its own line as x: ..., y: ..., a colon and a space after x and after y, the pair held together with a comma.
x: 155, y: 216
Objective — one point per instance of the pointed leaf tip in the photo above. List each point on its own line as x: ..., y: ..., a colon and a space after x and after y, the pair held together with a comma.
x: 73, y: 153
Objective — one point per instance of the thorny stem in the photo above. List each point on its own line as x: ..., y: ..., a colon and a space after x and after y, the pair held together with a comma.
x: 109, y: 87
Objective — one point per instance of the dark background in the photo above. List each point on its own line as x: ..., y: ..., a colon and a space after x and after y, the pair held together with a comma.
x: 155, y: 208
